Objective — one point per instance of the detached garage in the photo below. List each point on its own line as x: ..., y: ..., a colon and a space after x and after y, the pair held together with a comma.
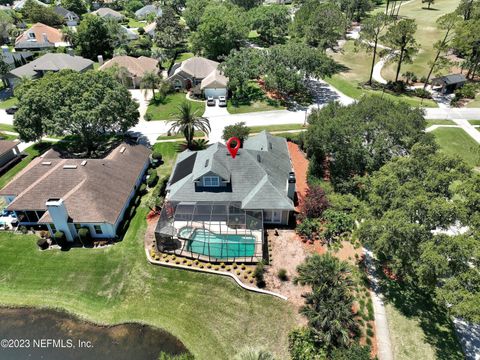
x: 214, y: 85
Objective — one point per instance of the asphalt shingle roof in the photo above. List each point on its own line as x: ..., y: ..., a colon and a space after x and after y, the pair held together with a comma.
x: 52, y: 62
x: 257, y: 177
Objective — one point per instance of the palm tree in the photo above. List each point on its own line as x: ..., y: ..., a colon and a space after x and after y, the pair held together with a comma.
x: 187, y: 122
x: 150, y: 81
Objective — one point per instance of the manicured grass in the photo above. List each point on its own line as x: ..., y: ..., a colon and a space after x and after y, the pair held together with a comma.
x: 6, y: 127
x: 255, y: 106
x: 419, y: 329
x: 169, y: 151
x: 353, y: 90
x: 210, y: 314
x: 32, y: 152
x: 475, y: 103
x: 4, y: 136
x: 8, y: 103
x: 179, y: 136
x: 168, y: 107
x: 134, y: 23
x: 474, y: 122
x: 456, y: 142
x: 427, y: 35
x: 440, y: 122
x: 282, y: 127
x: 184, y: 56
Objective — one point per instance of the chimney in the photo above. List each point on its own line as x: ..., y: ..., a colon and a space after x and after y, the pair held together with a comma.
x: 45, y: 38
x: 5, y: 49
x: 100, y: 60
x: 291, y: 185
x: 58, y: 212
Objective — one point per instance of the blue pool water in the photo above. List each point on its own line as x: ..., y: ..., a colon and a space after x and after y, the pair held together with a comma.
x: 220, y: 246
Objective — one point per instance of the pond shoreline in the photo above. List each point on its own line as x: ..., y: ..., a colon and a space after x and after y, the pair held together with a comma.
x: 59, y: 334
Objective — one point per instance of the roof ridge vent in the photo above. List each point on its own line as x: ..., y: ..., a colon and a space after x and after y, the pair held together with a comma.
x: 46, y: 163
x: 69, y: 166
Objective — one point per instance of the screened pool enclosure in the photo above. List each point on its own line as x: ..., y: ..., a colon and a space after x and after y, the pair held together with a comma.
x: 208, y: 231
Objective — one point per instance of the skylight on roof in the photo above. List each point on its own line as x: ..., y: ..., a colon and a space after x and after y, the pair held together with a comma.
x: 46, y: 163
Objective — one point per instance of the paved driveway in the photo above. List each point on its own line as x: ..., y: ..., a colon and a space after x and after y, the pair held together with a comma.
x: 142, y: 99
x: 5, y: 118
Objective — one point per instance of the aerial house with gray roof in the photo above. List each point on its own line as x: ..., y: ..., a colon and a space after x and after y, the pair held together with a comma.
x: 216, y: 205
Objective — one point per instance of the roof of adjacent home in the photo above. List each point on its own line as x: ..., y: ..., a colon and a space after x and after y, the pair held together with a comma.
x: 20, y: 4
x: 450, y: 79
x: 150, y: 28
x: 197, y: 67
x: 148, y: 9
x: 10, y: 57
x: 214, y: 80
x: 257, y: 177
x: 39, y: 30
x: 6, y: 146
x: 107, y: 12
x: 93, y: 190
x: 64, y: 12
x: 135, y: 66
x: 52, y: 62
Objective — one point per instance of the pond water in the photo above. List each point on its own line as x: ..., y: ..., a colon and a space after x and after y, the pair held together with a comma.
x: 46, y: 334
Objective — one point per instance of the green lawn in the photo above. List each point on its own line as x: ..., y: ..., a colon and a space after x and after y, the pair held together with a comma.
x: 419, y: 329
x: 475, y: 103
x: 283, y: 127
x: 168, y: 107
x: 456, y: 142
x: 210, y: 314
x: 6, y: 127
x: 427, y: 34
x: 4, y: 136
x: 262, y: 105
x: 474, y: 122
x: 440, y: 122
x: 184, y: 56
x: 8, y: 103
x: 352, y: 89
x: 134, y: 23
x: 32, y: 152
x: 180, y: 136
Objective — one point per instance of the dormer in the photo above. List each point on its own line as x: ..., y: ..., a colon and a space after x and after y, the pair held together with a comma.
x: 210, y: 180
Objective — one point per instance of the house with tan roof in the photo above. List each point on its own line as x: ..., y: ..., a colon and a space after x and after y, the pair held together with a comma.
x: 70, y: 194
x: 199, y: 75
x: 40, y: 37
x: 136, y: 67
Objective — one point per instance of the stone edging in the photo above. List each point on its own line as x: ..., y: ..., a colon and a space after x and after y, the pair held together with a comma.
x: 237, y: 280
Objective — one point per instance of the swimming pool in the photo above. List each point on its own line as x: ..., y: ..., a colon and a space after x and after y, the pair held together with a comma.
x: 202, y: 241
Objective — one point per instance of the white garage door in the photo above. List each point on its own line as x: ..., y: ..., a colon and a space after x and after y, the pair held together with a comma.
x: 215, y: 92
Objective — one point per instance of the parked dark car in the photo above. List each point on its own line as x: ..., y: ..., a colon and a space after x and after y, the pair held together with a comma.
x: 12, y: 110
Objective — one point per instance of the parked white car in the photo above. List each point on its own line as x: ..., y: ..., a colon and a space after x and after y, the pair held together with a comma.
x: 210, y: 101
x: 222, y: 101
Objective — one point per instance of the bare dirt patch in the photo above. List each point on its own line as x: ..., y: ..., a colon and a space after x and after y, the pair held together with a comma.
x: 287, y: 253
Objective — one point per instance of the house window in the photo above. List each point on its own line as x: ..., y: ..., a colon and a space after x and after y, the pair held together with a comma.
x: 211, y: 181
x: 31, y: 36
x: 98, y: 229
x: 178, y: 84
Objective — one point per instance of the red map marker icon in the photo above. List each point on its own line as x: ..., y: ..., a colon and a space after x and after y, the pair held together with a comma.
x: 233, y: 149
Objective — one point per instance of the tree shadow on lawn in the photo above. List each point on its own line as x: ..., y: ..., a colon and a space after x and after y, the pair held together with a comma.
x: 413, y: 302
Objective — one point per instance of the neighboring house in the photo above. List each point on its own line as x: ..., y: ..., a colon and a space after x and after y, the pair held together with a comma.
x: 211, y: 195
x: 200, y: 75
x: 15, y: 59
x: 129, y: 33
x: 104, y: 3
x: 147, y: 10
x: 449, y: 83
x: 71, y: 19
x: 108, y: 13
x: 150, y: 29
x: 9, y: 154
x: 18, y: 5
x: 68, y: 194
x: 136, y: 67
x: 40, y: 37
x: 49, y: 62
